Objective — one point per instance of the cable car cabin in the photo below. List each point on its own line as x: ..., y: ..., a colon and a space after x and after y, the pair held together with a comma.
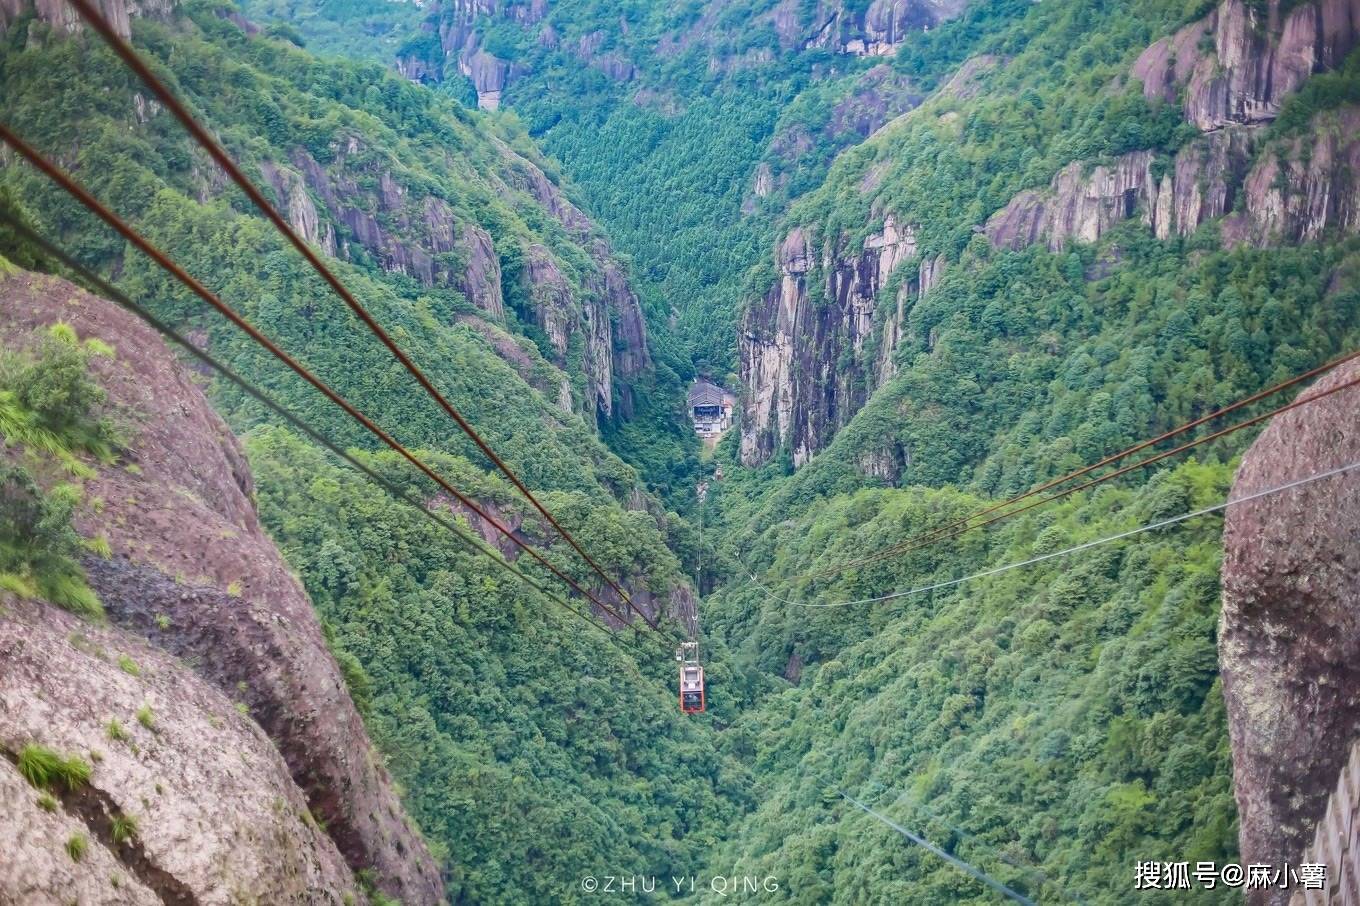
x: 691, y: 678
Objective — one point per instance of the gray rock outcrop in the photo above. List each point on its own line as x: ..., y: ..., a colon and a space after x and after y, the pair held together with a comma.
x: 1289, y: 632
x: 187, y: 545
x: 806, y: 358
x: 1258, y: 57
x: 219, y: 818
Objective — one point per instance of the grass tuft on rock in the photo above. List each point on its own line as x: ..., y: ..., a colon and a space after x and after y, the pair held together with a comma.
x: 77, y: 846
x: 48, y: 769
x: 122, y: 828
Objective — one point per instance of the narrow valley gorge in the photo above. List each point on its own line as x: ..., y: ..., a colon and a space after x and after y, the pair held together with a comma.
x: 971, y: 383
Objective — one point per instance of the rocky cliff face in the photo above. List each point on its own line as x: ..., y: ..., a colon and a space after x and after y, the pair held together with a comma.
x: 876, y: 29
x: 219, y: 817
x: 802, y: 362
x: 1289, y: 633
x: 1258, y: 56
x: 193, y: 572
x: 1232, y: 69
x: 602, y: 310
x: 1302, y: 189
x: 62, y: 15
x: 1202, y: 183
x: 358, y: 204
x: 821, y: 339
x: 455, y: 23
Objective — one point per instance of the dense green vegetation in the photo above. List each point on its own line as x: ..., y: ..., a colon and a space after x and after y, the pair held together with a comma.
x: 267, y: 100
x: 1019, y: 368
x: 1052, y: 725
x: 350, y: 29
x: 498, y: 714
x: 52, y: 420
x: 532, y: 753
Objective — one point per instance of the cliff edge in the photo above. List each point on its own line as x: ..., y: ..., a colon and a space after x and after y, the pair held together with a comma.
x: 1289, y: 632
x: 190, y: 570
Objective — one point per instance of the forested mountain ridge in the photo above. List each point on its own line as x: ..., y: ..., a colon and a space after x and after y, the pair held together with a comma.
x: 496, y: 720
x: 831, y: 324
x: 946, y: 251
x: 683, y: 124
x: 415, y: 192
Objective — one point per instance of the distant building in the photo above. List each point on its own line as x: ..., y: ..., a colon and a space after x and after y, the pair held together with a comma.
x: 710, y: 408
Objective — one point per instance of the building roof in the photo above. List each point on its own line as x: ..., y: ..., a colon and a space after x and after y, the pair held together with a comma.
x: 706, y: 393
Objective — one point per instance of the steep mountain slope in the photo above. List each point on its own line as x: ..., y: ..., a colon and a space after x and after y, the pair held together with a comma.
x: 462, y: 234
x: 1288, y: 627
x: 185, y: 564
x: 948, y: 263
x: 497, y: 717
x: 881, y: 235
x: 218, y: 816
x: 1054, y: 256
x: 687, y: 126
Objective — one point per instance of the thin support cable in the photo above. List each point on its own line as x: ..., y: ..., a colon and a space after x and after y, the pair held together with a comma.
x: 949, y: 583
x: 139, y: 66
x: 475, y: 545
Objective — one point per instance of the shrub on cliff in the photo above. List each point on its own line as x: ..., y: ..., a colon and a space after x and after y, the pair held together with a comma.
x: 38, y: 546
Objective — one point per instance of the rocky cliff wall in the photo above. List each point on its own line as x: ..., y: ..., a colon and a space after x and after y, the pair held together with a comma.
x: 359, y: 204
x: 1336, y: 842
x: 456, y: 23
x: 822, y: 338
x: 219, y: 817
x: 878, y: 28
x: 1236, y: 65
x: 1231, y: 71
x: 60, y: 14
x: 187, y: 545
x: 1289, y: 632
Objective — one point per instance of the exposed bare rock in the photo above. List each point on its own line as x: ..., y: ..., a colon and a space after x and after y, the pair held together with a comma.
x: 415, y: 232
x: 482, y: 276
x: 1334, y: 843
x: 612, y: 63
x: 626, y: 335
x: 763, y: 182
x: 219, y: 818
x: 1303, y: 189
x: 488, y: 75
x: 1296, y: 191
x: 1258, y: 57
x: 62, y: 15
x: 185, y: 515
x: 664, y: 101
x: 932, y: 271
x: 554, y: 307
x: 1077, y: 206
x: 1203, y: 182
x: 354, y: 190
x: 877, y: 29
x: 455, y: 22
x: 805, y: 363
x: 295, y: 203
x: 527, y: 177
x: 587, y: 314
x: 521, y: 354
x: 1289, y: 632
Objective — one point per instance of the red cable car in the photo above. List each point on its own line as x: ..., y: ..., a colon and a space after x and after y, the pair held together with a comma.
x: 691, y: 678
